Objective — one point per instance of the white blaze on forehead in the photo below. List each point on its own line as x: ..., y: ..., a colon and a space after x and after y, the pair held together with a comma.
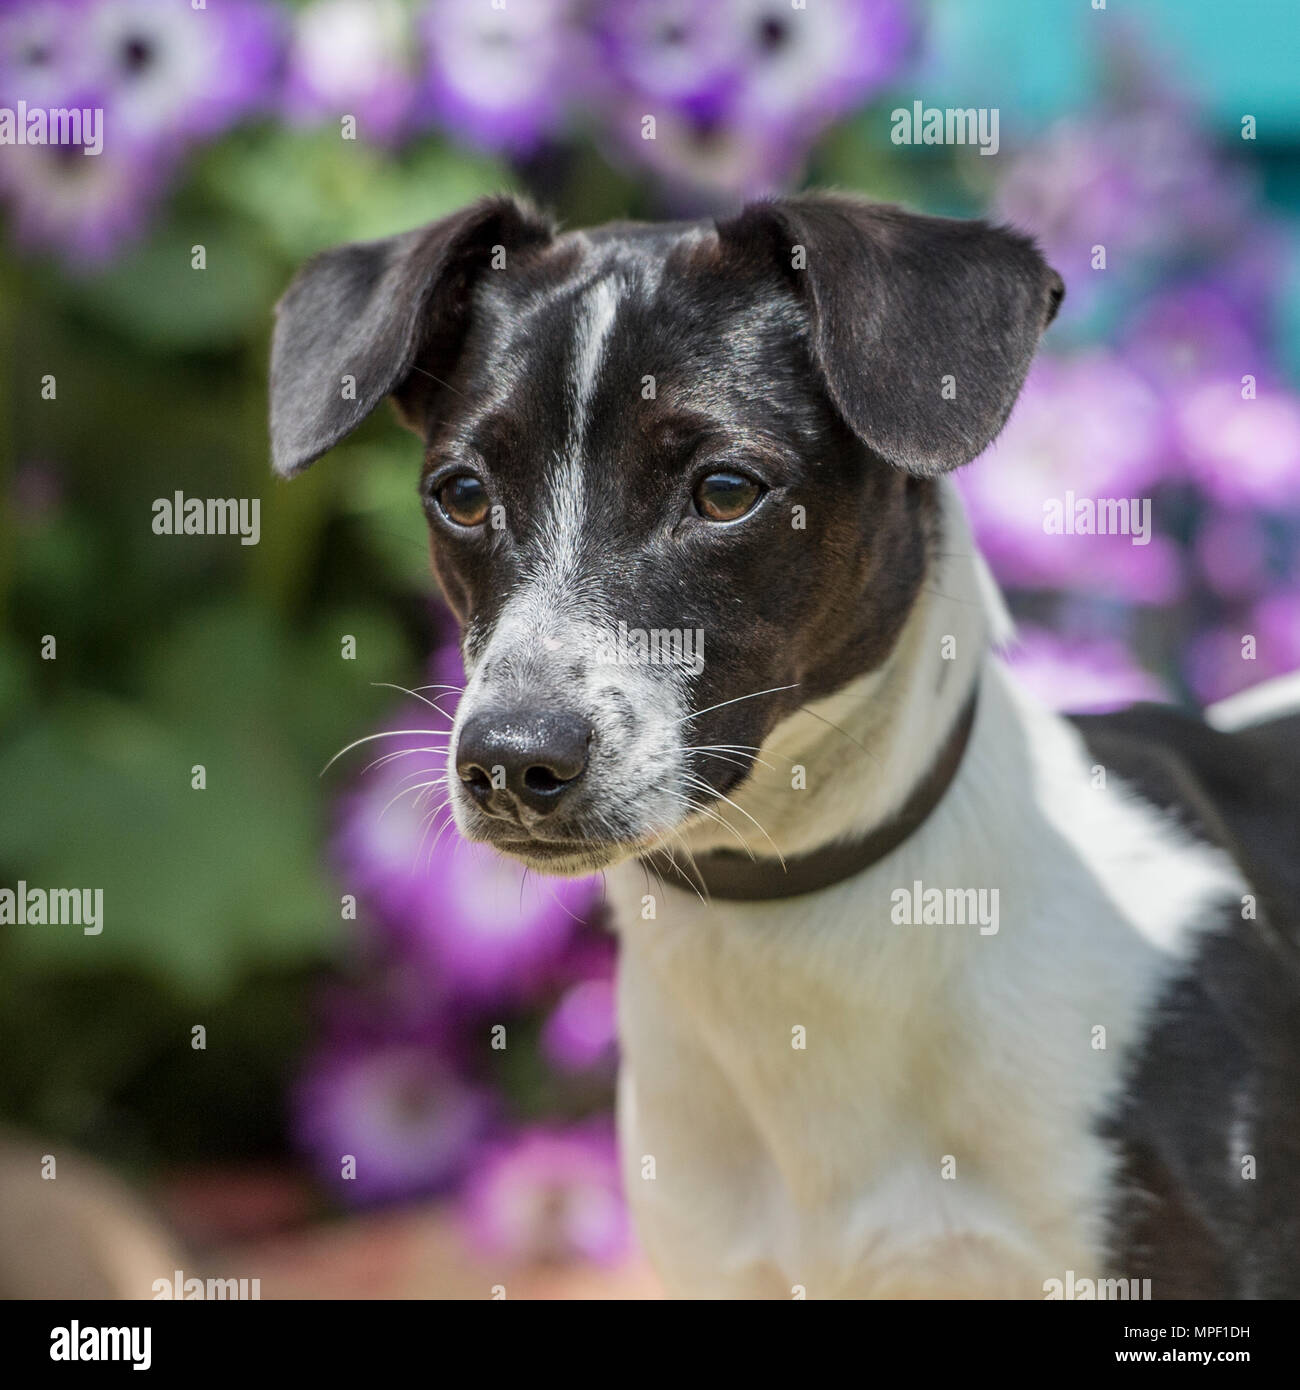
x: 595, y: 323
x: 564, y: 519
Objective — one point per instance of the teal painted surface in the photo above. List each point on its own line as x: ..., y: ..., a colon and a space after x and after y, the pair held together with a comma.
x: 1042, y: 58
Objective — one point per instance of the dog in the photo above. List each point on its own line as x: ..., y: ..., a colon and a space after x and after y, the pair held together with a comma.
x: 728, y: 638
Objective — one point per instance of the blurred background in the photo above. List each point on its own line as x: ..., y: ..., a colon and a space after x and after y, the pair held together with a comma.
x: 363, y: 986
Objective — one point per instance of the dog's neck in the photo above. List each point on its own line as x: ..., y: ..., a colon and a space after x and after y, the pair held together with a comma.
x: 864, y: 750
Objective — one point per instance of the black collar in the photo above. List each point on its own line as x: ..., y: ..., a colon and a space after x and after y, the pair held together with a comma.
x: 728, y: 874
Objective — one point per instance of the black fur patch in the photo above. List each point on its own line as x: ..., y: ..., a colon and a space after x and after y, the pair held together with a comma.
x: 1219, y: 1070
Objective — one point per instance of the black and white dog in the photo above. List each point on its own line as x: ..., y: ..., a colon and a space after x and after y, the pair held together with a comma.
x: 1081, y: 1060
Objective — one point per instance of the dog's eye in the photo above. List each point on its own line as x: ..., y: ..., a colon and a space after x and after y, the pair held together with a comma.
x: 726, y: 496
x: 463, y: 499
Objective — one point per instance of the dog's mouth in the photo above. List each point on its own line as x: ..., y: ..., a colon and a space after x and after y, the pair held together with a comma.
x: 566, y: 858
x: 571, y: 851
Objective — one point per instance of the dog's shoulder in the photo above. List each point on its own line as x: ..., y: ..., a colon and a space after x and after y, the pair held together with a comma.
x: 1239, y: 790
x: 1209, y: 1196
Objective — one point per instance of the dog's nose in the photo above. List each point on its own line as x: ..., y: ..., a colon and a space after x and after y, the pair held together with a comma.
x: 536, y: 757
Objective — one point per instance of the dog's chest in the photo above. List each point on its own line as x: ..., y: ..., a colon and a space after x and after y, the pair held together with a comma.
x: 817, y: 1098
x: 845, y: 1134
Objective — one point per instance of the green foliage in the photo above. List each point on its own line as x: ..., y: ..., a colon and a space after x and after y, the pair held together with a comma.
x: 174, y: 652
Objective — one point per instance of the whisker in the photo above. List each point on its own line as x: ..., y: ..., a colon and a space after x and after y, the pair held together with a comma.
x: 439, y: 380
x: 385, y: 733
x: 564, y: 907
x: 743, y: 748
x: 401, y: 753
x: 677, y: 869
x: 735, y: 762
x: 695, y: 714
x: 952, y: 598
x: 721, y: 757
x: 427, y: 829
x: 705, y: 787
x: 704, y: 896
x: 414, y: 694
x: 400, y: 795
x: 805, y: 710
x: 711, y: 814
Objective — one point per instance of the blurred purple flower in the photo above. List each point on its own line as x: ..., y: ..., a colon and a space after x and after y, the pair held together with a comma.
x: 1087, y: 425
x: 171, y: 72
x: 1235, y: 656
x: 1275, y: 622
x: 549, y: 1195
x: 470, y: 918
x: 352, y: 57
x: 39, y: 51
x: 1241, y: 451
x: 160, y: 71
x: 1233, y: 551
x: 1080, y: 675
x: 473, y: 921
x: 502, y: 78
x: 700, y: 162
x: 673, y: 52
x: 1136, y: 182
x: 85, y: 208
x: 1191, y: 332
x: 581, y: 1031
x: 815, y: 63
x: 740, y: 90
x: 396, y: 1108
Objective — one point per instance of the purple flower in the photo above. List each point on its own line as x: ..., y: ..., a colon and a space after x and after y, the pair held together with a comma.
x: 673, y: 52
x: 1241, y: 451
x: 1191, y: 332
x: 581, y: 1032
x: 1086, y: 429
x: 352, y: 57
x: 700, y: 162
x: 39, y: 51
x: 472, y: 921
x: 172, y: 72
x: 502, y: 78
x: 469, y: 918
x: 1275, y: 622
x: 549, y: 1195
x: 1233, y: 551
x: 396, y: 1108
x: 740, y: 90
x: 1080, y: 675
x: 1233, y: 657
x: 814, y: 64
x: 85, y: 208
x: 159, y: 72
x: 1136, y: 182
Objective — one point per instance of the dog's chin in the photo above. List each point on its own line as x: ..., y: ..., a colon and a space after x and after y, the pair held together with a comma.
x: 575, y: 860
x: 560, y: 858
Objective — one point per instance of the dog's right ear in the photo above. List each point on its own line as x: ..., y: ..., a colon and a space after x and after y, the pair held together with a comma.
x: 350, y: 328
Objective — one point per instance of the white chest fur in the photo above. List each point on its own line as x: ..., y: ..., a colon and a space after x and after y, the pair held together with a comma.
x: 816, y: 1096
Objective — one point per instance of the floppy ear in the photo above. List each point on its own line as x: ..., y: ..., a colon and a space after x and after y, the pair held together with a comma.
x: 923, y: 327
x: 367, y: 311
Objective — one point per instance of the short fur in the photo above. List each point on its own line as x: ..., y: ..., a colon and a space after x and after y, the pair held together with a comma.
x: 971, y: 1114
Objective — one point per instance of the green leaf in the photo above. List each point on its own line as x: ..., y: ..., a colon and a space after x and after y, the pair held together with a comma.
x: 309, y: 190
x: 155, y: 294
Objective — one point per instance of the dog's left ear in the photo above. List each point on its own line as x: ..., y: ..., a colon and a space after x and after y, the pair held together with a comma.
x: 923, y: 327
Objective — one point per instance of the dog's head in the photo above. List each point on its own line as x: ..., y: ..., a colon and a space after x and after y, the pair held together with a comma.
x: 679, y: 479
